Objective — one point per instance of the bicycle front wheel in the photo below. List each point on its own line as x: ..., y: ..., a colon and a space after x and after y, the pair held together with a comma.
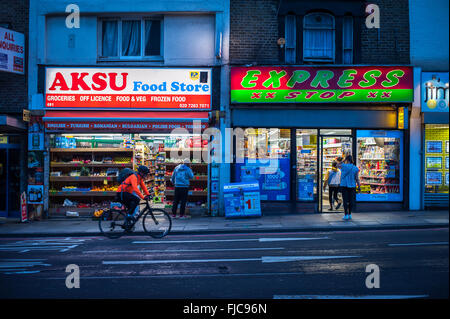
x: 112, y: 223
x: 157, y: 223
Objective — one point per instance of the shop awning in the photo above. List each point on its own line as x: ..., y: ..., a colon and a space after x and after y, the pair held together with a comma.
x: 123, y: 121
x: 11, y: 124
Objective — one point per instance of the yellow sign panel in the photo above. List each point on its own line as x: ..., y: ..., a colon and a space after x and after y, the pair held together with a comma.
x: 401, y: 118
x: 26, y: 116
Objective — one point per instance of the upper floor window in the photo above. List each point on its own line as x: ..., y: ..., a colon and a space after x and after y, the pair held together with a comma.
x: 131, y: 38
x: 319, y: 37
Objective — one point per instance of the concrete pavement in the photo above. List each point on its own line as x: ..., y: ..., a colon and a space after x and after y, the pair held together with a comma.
x: 202, y: 224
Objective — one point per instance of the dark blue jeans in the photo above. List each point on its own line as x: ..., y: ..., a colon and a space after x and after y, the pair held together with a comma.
x: 348, y: 195
x: 181, y: 196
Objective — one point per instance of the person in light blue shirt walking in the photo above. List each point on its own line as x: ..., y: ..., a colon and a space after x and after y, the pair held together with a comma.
x: 349, y: 180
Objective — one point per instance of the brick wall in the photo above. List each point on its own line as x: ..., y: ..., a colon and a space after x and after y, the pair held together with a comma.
x: 390, y: 43
x: 254, y: 32
x: 13, y: 87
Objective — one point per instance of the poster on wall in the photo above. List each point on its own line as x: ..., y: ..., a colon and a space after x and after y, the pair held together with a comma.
x: 118, y: 88
x: 35, y: 141
x: 434, y: 146
x: 434, y: 163
x: 434, y: 178
x: 35, y: 194
x: 306, y: 189
x: 12, y: 51
x: 272, y: 176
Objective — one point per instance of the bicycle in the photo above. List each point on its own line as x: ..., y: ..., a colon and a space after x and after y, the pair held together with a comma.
x: 114, y: 223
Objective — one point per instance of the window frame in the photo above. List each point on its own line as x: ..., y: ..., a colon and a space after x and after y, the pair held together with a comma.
x: 352, y: 48
x: 120, y: 57
x: 305, y: 29
x: 287, y: 47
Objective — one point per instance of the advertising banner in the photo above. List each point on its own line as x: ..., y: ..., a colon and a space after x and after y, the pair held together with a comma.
x: 242, y: 199
x: 119, y: 88
x: 12, y: 51
x: 434, y: 92
x: 134, y: 126
x: 350, y: 84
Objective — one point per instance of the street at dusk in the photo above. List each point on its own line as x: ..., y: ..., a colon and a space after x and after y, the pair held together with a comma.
x: 224, y: 158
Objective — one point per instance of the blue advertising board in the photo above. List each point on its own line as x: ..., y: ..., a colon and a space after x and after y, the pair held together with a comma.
x: 272, y: 175
x: 242, y: 200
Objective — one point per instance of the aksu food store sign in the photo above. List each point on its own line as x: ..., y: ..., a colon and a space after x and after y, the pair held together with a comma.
x: 120, y: 88
x: 321, y: 84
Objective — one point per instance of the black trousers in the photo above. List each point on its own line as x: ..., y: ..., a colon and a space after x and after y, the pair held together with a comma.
x: 348, y: 195
x: 333, y: 194
x: 181, y: 195
x: 130, y: 201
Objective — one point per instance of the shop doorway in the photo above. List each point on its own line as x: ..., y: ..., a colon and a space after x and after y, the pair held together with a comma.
x: 9, y: 180
x: 333, y: 145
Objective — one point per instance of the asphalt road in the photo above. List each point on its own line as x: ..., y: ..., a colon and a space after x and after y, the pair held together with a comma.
x: 412, y: 264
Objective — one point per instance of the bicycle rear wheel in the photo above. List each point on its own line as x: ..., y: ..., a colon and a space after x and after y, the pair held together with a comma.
x: 112, y: 223
x: 157, y: 223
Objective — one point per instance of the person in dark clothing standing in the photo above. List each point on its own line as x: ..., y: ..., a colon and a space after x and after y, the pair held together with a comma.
x: 349, y: 180
x: 180, y: 179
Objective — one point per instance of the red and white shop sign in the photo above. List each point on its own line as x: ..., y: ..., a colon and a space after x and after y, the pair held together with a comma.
x: 124, y: 88
x: 122, y: 126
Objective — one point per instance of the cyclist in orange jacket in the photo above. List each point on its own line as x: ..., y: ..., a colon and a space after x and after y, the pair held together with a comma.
x: 129, y: 193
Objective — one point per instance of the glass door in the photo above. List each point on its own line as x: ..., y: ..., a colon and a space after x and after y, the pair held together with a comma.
x: 333, y: 148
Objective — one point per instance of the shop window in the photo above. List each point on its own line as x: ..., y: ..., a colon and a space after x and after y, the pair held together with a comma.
x: 379, y: 159
x: 318, y: 37
x: 84, y: 169
x: 130, y: 39
x: 436, y: 158
x: 307, y: 165
x: 266, y: 160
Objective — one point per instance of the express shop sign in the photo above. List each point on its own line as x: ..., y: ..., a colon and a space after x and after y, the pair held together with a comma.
x: 321, y: 84
x: 119, y: 88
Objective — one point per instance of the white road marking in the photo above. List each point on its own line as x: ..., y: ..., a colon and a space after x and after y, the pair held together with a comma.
x: 179, y: 250
x: 420, y: 244
x: 162, y: 276
x: 348, y: 297
x: 61, y: 245
x: 278, y: 259
x: 224, y: 240
x: 20, y: 266
x: 263, y: 259
x: 288, y: 239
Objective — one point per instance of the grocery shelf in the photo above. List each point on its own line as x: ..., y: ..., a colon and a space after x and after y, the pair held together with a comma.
x: 87, y: 193
x: 91, y: 150
x: 81, y: 178
x: 195, y: 149
x: 77, y: 164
